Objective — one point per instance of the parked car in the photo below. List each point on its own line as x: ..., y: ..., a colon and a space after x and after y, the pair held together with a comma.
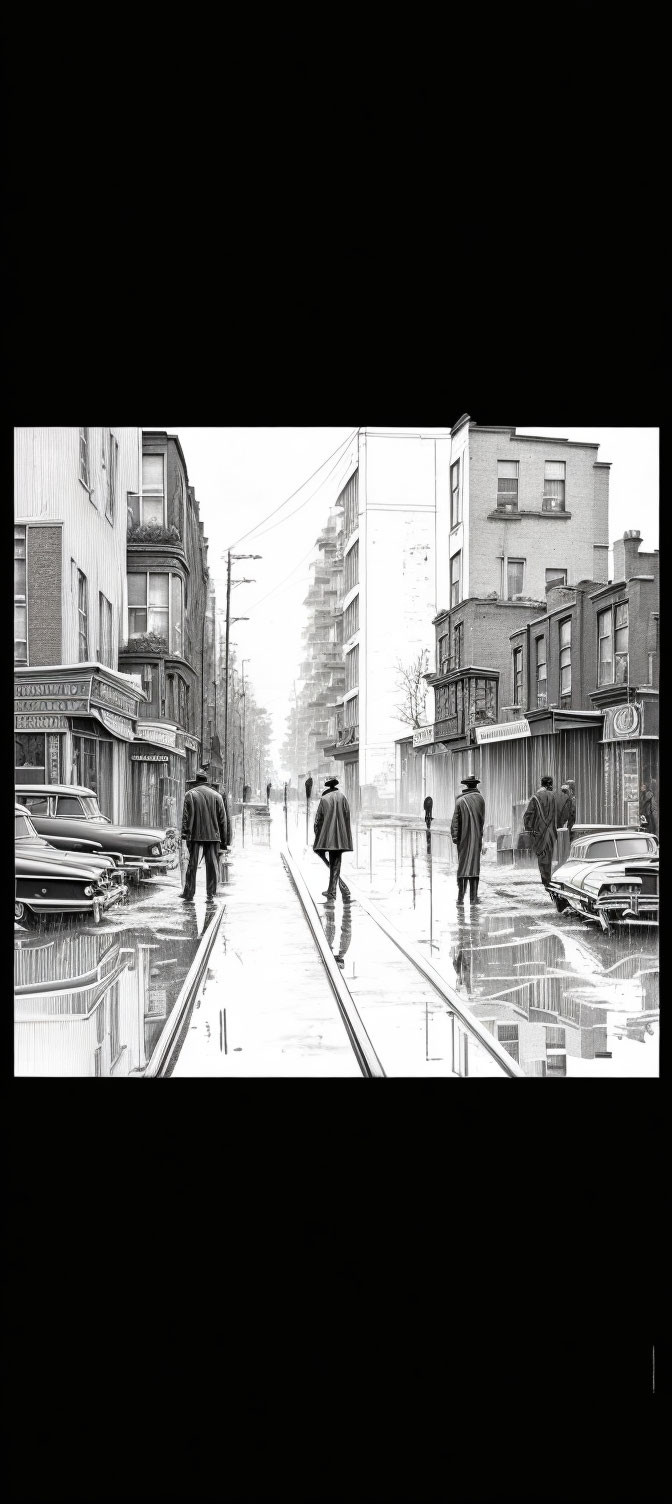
x: 48, y: 881
x: 610, y: 877
x: 70, y: 818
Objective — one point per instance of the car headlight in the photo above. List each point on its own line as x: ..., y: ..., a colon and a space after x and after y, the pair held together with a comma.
x: 620, y: 888
x: 89, y: 891
x: 155, y: 851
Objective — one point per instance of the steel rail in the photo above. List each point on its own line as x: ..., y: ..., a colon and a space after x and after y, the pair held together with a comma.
x: 165, y: 1044
x: 413, y: 954
x: 367, y: 1059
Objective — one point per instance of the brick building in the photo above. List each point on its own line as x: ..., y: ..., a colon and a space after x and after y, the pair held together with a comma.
x: 75, y: 715
x: 164, y: 647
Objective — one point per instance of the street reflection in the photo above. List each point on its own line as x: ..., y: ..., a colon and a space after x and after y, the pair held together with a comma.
x: 345, y: 932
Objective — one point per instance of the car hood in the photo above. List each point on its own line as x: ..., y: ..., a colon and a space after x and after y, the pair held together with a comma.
x: 30, y: 857
x: 582, y: 874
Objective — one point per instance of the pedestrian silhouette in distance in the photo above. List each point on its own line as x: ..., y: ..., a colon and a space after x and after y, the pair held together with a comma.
x: 309, y: 788
x: 466, y: 829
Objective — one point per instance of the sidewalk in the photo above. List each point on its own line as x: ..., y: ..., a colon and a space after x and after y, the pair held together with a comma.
x: 267, y: 1008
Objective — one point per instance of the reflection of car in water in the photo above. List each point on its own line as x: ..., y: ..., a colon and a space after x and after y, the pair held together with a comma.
x: 70, y: 818
x: 48, y: 881
x: 610, y: 877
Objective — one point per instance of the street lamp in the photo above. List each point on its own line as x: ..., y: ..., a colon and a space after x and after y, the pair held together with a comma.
x: 231, y: 556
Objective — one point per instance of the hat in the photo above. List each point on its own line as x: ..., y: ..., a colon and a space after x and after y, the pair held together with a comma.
x: 331, y: 783
x: 201, y: 776
x: 471, y: 781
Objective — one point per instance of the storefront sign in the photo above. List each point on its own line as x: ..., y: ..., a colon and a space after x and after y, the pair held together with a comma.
x: 40, y: 723
x: 109, y: 695
x: 148, y: 757
x: 53, y: 744
x: 163, y: 736
x: 443, y: 730
x: 190, y: 742
x: 118, y: 724
x: 505, y: 731
x: 59, y: 698
x: 621, y: 721
x: 424, y: 737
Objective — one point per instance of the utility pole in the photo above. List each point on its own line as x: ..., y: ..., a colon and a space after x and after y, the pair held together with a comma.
x: 229, y: 557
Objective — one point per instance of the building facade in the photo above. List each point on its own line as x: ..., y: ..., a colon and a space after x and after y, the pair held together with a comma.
x: 75, y: 714
x: 164, y: 646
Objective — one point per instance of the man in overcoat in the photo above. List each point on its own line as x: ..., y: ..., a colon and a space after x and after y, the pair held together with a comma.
x: 466, y: 829
x: 204, y: 823
x: 333, y: 835
x: 567, y: 807
x: 268, y: 792
x: 540, y: 819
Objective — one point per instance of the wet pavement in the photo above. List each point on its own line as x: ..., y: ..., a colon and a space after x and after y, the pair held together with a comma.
x: 562, y: 997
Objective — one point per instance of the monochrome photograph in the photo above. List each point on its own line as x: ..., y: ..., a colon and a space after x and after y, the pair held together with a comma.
x: 336, y: 752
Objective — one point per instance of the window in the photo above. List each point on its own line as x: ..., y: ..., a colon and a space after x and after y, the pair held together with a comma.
x: 507, y: 485
x: 599, y: 850
x: 112, y: 479
x: 542, y: 682
x: 455, y: 495
x: 150, y: 506
x: 84, y: 469
x: 349, y: 500
x: 555, y: 1038
x: 83, y: 616
x: 29, y: 754
x: 554, y: 486
x: 517, y: 676
x: 155, y: 604
x: 456, y: 579
x: 605, y: 660
x: 634, y: 846
x: 612, y: 645
x: 104, y: 630
x: 443, y: 655
x: 556, y: 576
x: 352, y: 711
x: 458, y: 645
x: 515, y: 578
x: 565, y: 657
x: 351, y: 619
x: 352, y: 669
x: 507, y: 1035
x: 20, y: 607
x: 351, y: 568
x: 621, y: 643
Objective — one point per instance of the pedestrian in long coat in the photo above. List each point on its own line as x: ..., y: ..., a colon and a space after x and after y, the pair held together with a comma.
x: 466, y: 829
x: 647, y: 805
x: 309, y: 787
x: 204, y: 823
x: 333, y: 835
x: 567, y: 808
x: 540, y: 819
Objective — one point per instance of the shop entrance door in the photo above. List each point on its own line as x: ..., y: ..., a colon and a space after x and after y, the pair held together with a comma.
x: 631, y: 786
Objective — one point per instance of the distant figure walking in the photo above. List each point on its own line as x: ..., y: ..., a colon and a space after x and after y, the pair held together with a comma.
x: 309, y: 788
x: 540, y: 819
x: 333, y: 835
x: 204, y: 823
x: 285, y: 796
x: 428, y: 806
x: 466, y: 829
x: 567, y: 807
x: 268, y: 793
x: 647, y: 809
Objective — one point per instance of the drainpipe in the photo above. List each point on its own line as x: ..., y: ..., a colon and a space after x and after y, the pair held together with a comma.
x: 205, y: 615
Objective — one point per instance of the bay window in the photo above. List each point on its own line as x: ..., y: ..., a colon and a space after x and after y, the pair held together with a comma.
x: 517, y: 676
x: 612, y: 644
x: 605, y: 658
x: 155, y: 604
x: 458, y: 644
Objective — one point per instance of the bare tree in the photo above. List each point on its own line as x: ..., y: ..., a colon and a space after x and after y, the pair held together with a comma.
x: 413, y: 691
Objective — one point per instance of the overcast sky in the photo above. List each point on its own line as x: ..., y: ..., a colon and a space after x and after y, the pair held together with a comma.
x: 242, y: 474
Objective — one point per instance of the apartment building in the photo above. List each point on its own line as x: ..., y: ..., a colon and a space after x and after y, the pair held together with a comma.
x: 74, y: 714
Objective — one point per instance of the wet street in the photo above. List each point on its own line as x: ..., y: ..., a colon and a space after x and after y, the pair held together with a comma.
x: 562, y: 998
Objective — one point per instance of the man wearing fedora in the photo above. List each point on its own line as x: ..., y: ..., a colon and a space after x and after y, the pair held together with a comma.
x: 541, y: 819
x: 204, y: 823
x: 333, y: 835
x: 466, y: 829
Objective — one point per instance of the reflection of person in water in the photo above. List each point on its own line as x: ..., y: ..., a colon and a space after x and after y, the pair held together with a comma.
x: 346, y: 928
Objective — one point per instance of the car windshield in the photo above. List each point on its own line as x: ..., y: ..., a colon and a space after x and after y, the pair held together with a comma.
x: 597, y: 850
x: 79, y: 807
x: 24, y: 830
x: 634, y: 846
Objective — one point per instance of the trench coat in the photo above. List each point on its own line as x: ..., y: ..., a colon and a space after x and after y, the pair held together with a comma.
x: 332, y: 823
x: 204, y: 816
x: 466, y: 829
x: 540, y: 819
x: 566, y: 811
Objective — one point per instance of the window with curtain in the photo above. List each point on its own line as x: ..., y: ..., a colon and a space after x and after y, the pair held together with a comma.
x: 105, y: 630
x: 83, y: 616
x: 554, y: 486
x: 84, y: 467
x: 517, y: 676
x: 456, y: 579
x: 605, y: 651
x: 542, y: 677
x: 565, y: 630
x: 507, y: 485
x: 455, y: 494
x: 515, y: 578
x: 155, y: 604
x: 20, y: 603
x: 152, y: 501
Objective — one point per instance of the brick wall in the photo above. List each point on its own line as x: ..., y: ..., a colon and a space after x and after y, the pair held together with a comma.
x: 44, y: 570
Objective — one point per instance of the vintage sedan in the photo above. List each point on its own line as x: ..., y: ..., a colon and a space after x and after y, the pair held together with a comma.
x: 48, y: 881
x: 610, y: 877
x: 70, y: 818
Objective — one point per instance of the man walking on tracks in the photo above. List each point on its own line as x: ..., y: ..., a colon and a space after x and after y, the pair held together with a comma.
x: 204, y: 823
x: 540, y: 819
x: 333, y: 835
x: 466, y: 829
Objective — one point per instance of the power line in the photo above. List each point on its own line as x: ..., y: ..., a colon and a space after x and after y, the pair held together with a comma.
x: 303, y: 503
x: 282, y: 582
x: 294, y: 493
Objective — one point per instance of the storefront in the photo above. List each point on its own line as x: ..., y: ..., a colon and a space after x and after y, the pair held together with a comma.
x: 158, y: 762
x: 72, y: 725
x: 629, y: 758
